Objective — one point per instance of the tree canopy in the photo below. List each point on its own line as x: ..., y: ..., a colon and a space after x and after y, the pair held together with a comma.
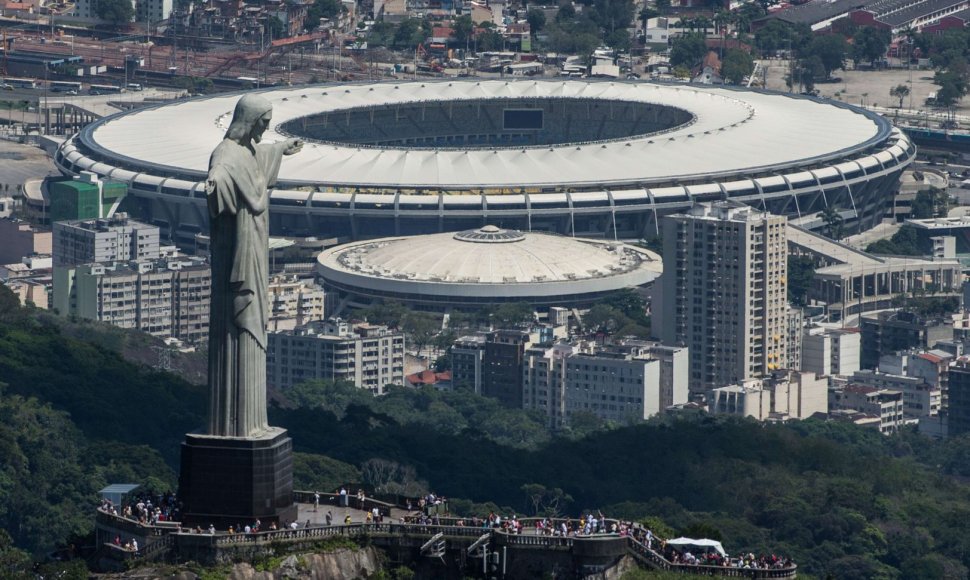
x: 536, y: 19
x: 842, y: 500
x: 737, y: 65
x: 870, y: 43
x: 115, y: 11
x: 688, y: 50
x: 904, y: 242
x: 776, y: 35
x: 830, y: 49
x: 900, y: 92
x: 320, y: 9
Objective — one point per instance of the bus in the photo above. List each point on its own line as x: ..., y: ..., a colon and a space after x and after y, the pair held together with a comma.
x: 105, y: 90
x: 18, y: 83
x: 65, y: 86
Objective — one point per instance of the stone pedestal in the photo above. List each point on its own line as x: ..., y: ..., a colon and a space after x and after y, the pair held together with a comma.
x: 230, y: 481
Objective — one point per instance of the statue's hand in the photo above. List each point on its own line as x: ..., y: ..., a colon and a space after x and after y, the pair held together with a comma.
x: 291, y: 146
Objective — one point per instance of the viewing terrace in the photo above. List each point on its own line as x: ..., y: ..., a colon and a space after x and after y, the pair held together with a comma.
x: 474, y: 542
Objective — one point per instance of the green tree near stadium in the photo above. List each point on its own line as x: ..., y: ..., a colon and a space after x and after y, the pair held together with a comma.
x: 329, y: 9
x: 537, y: 20
x: 688, y: 50
x: 115, y: 11
x: 777, y: 35
x: 462, y: 30
x: 736, y: 65
x: 899, y: 92
x: 830, y: 50
x: 870, y: 44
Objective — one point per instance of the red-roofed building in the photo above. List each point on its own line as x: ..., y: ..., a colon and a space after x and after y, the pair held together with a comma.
x: 957, y: 21
x: 429, y: 377
x: 441, y: 33
x: 13, y: 8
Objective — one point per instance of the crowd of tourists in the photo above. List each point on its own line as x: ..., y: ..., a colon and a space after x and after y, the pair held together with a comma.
x: 746, y: 561
x: 145, y: 508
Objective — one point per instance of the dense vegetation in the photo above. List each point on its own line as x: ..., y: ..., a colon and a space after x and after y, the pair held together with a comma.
x: 905, y: 242
x: 839, y: 499
x: 801, y: 271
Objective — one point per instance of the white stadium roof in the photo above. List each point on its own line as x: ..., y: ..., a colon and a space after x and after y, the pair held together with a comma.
x: 734, y: 132
x: 488, y: 262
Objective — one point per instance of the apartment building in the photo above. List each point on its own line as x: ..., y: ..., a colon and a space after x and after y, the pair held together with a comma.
x: 723, y: 292
x: 295, y: 301
x: 883, y: 406
x: 920, y: 399
x: 893, y: 331
x: 619, y: 383
x: 116, y: 239
x: 468, y: 361
x: 367, y: 355
x: 958, y: 410
x: 831, y: 351
x: 166, y: 297
x: 20, y: 239
x: 502, y: 365
x: 784, y: 395
x: 795, y: 322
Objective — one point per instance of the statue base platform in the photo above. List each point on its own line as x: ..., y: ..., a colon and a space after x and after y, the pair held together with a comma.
x: 233, y: 480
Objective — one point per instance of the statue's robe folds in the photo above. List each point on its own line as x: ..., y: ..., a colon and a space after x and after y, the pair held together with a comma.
x: 239, y: 244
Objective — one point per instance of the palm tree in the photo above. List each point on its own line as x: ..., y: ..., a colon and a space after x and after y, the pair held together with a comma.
x: 833, y: 222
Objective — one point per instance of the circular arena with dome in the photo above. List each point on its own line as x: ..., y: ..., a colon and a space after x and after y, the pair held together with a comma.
x: 486, y: 265
x: 576, y: 157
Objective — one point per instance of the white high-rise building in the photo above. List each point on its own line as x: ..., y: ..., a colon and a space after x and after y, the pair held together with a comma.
x: 369, y: 356
x: 784, y: 395
x: 629, y: 381
x: 831, y: 351
x: 723, y: 292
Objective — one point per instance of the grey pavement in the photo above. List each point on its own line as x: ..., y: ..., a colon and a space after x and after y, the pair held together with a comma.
x: 319, y: 517
x: 880, y: 231
x: 19, y: 163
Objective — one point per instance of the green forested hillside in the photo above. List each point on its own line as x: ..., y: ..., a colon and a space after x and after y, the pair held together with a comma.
x: 843, y: 501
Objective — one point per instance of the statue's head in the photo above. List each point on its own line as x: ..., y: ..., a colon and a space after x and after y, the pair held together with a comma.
x: 250, y: 119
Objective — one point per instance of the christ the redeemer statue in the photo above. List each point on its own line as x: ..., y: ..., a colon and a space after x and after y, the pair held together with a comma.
x: 240, y: 171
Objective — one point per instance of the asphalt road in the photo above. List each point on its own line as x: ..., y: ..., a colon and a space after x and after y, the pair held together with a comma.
x: 33, y: 95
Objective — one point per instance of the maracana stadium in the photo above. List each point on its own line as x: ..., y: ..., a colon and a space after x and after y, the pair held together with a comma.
x: 581, y: 158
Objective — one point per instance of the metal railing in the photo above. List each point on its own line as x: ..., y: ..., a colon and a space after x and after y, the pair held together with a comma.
x: 323, y: 532
x: 333, y: 500
x: 134, y: 527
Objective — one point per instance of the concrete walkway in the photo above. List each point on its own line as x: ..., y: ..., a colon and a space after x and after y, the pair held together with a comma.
x: 319, y: 517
